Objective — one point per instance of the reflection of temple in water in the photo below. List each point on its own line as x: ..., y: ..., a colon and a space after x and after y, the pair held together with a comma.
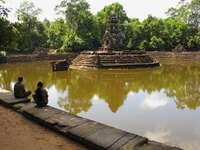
x: 112, y: 86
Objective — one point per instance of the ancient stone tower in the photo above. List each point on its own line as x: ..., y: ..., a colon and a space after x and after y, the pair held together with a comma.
x: 113, y: 37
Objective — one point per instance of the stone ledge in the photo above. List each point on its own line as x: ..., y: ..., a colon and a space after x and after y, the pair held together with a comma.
x: 8, y: 99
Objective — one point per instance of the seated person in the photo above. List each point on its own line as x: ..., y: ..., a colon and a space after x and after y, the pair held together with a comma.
x: 19, y: 90
x: 41, y: 96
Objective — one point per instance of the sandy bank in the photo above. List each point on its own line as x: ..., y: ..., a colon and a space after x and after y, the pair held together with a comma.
x: 18, y: 133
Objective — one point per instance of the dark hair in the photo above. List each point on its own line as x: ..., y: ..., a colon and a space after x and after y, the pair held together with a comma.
x: 20, y: 79
x: 40, y: 84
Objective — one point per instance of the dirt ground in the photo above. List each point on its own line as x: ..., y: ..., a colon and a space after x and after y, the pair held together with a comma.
x: 18, y: 133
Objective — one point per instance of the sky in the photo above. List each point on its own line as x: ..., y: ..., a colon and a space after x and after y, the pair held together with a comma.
x: 134, y: 8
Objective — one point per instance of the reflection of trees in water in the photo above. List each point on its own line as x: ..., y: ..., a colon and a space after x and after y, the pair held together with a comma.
x: 179, y: 81
x: 186, y: 90
x: 101, y: 83
x: 32, y: 73
x: 74, y: 106
x: 80, y: 92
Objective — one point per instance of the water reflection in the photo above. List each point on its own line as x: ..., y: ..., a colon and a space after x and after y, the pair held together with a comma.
x: 160, y: 103
x: 154, y: 100
x: 179, y: 81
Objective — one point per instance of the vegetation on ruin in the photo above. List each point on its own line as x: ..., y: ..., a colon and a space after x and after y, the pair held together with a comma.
x: 79, y: 29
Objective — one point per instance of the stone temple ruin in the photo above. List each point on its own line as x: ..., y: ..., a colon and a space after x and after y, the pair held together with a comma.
x: 113, y: 37
x: 112, y: 54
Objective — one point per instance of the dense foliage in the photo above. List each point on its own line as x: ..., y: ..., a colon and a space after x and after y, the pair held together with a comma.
x: 81, y: 30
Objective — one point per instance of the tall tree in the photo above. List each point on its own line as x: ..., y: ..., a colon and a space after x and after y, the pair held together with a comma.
x: 116, y: 8
x: 27, y: 10
x: 56, y: 33
x: 8, y: 35
x: 3, y: 10
x: 7, y: 31
x: 194, y: 17
x: 187, y: 11
x: 133, y: 33
x: 75, y: 12
x: 32, y: 32
x: 80, y: 24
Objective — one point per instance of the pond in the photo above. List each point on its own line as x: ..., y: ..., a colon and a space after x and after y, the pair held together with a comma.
x: 159, y: 103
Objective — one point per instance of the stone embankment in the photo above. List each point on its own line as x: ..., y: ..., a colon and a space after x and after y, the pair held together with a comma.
x: 175, y: 55
x: 34, y: 57
x: 70, y: 56
x: 95, y: 135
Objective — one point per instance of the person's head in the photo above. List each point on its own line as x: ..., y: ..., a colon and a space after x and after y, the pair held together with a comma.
x: 40, y: 84
x: 20, y: 79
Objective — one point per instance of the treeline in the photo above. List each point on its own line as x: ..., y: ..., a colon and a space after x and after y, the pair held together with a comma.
x: 80, y: 30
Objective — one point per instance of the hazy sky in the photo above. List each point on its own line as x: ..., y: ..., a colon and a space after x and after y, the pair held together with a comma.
x: 134, y: 8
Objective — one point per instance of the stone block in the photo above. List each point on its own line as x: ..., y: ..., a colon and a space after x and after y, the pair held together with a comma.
x: 134, y: 143
x: 8, y: 99
x: 157, y: 146
x: 40, y: 114
x: 86, y: 129
x: 105, y: 137
x: 64, y: 119
x: 121, y: 142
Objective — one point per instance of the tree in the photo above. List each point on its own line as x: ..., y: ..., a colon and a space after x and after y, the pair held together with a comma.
x: 194, y: 17
x: 27, y: 11
x: 117, y: 8
x: 133, y: 33
x: 176, y: 32
x: 56, y: 33
x: 72, y: 42
x: 194, y: 41
x: 181, y: 12
x: 8, y: 35
x: 7, y: 31
x: 32, y: 32
x: 3, y: 10
x: 188, y: 12
x: 75, y: 12
x: 152, y: 31
x: 79, y: 19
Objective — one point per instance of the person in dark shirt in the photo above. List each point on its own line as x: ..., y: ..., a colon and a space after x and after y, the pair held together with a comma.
x: 41, y: 96
x: 19, y: 89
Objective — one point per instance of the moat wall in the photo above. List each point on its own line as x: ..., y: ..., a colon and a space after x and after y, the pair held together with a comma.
x: 175, y: 55
x: 30, y: 58
x: 70, y: 56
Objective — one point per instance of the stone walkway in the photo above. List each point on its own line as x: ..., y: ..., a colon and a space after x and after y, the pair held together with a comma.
x: 90, y: 133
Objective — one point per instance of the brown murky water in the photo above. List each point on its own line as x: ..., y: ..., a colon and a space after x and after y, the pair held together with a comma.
x: 159, y: 103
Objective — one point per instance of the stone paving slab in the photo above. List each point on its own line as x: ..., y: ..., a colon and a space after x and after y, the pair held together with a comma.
x: 86, y: 129
x: 106, y: 137
x: 64, y: 119
x: 19, y: 106
x: 157, y: 146
x: 40, y: 113
x: 122, y: 141
x: 96, y: 135
x: 8, y: 99
x: 136, y: 142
